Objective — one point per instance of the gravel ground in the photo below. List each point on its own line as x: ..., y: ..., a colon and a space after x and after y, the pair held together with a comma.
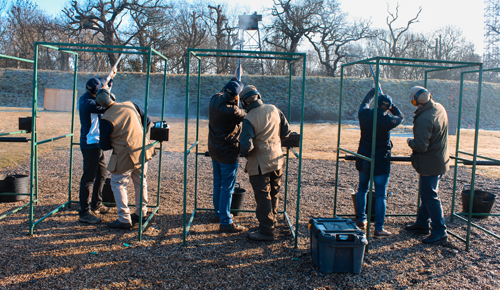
x: 65, y: 254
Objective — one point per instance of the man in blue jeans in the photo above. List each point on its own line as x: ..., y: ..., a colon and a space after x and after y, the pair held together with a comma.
x: 430, y: 159
x: 224, y: 124
x: 94, y: 169
x: 385, y: 123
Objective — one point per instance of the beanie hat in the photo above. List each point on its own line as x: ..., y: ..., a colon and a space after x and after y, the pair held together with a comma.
x: 420, y: 94
x: 248, y: 91
x: 385, y: 100
x: 233, y: 88
x: 93, y: 85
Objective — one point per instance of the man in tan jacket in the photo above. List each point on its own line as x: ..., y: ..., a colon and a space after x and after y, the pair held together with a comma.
x: 122, y: 130
x: 263, y: 128
x: 430, y: 159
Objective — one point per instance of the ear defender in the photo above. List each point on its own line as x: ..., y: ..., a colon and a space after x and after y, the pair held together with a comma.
x: 415, y: 97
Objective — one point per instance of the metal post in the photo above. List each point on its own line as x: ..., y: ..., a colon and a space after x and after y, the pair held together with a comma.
x: 197, y: 137
x: 34, y: 153
x: 184, y: 232
x: 72, y: 138
x: 474, y: 159
x: 338, y: 141
x: 299, y: 174
x: 143, y: 157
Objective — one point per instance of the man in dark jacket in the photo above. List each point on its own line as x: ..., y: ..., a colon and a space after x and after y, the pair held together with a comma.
x: 430, y: 159
x: 263, y: 128
x: 94, y: 168
x: 382, y: 169
x: 224, y: 124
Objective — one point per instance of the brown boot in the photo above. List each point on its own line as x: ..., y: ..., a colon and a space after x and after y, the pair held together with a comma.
x: 231, y: 228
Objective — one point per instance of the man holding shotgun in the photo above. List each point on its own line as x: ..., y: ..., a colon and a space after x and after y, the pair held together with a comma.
x: 224, y: 124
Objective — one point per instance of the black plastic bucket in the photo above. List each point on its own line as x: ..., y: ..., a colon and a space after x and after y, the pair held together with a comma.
x: 14, y: 184
x: 238, y: 199
x: 483, y: 202
x: 107, y: 194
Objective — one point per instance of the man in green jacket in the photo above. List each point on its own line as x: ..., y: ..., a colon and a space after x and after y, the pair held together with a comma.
x: 430, y: 160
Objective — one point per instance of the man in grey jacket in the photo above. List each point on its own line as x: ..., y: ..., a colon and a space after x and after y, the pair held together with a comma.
x: 263, y: 128
x: 430, y: 160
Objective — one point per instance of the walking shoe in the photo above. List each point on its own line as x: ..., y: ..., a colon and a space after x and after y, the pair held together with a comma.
x: 417, y: 229
x: 435, y: 239
x: 119, y: 225
x: 361, y: 225
x: 101, y: 208
x: 257, y: 236
x: 382, y: 234
x: 135, y: 218
x: 231, y: 228
x: 89, y: 218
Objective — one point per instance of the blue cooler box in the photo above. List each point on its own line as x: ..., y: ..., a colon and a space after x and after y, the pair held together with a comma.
x: 337, y: 245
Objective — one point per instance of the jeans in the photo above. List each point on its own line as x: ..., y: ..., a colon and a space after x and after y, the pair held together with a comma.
x: 119, y: 182
x: 266, y: 188
x: 430, y: 209
x: 380, y: 182
x: 93, y: 178
x: 224, y: 177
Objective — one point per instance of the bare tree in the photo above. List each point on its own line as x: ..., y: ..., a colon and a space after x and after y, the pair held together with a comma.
x: 25, y: 25
x: 334, y: 34
x: 104, y: 18
x: 397, y: 39
x: 223, y: 32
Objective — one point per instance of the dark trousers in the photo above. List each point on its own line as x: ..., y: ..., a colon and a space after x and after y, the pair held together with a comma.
x: 93, y: 178
x: 430, y: 209
x: 266, y: 188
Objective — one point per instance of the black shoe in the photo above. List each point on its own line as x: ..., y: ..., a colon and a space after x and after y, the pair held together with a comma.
x: 135, y: 218
x: 100, y: 209
x: 417, y: 229
x: 119, y: 225
x: 231, y: 228
x: 257, y: 236
x: 89, y: 218
x: 435, y: 239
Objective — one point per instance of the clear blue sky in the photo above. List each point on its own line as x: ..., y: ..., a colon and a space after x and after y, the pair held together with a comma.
x: 467, y: 15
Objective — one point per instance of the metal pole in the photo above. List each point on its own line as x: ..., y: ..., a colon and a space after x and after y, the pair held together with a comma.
x: 34, y: 153
x: 285, y: 202
x: 72, y: 138
x: 184, y: 203
x: 338, y: 142
x: 457, y: 146
x: 143, y: 157
x: 197, y: 137
x: 299, y: 175
x: 474, y: 159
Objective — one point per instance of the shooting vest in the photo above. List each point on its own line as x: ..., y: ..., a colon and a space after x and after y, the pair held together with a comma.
x: 267, y: 152
x: 126, y: 138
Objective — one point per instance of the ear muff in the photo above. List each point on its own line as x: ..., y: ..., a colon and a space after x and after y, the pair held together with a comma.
x: 249, y: 94
x: 415, y: 97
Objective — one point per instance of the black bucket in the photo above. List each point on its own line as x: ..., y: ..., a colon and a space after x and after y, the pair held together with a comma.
x: 238, y: 199
x: 14, y: 184
x: 107, y: 194
x: 483, y: 202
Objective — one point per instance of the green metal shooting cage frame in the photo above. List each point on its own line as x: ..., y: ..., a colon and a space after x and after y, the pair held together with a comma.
x: 74, y: 49
x: 291, y: 58
x: 489, y: 162
x: 435, y: 65
x: 9, y: 139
